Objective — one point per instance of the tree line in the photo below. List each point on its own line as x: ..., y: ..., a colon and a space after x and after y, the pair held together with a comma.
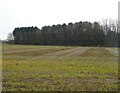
x: 79, y: 33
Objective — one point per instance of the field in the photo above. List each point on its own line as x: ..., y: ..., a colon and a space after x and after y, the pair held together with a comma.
x: 59, y: 68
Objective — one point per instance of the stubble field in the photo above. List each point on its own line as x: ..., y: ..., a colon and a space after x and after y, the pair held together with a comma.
x: 59, y: 68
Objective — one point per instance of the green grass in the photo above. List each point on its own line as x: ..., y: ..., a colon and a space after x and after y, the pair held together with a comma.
x: 58, y: 68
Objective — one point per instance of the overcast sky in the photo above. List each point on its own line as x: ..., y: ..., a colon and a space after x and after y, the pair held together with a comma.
x: 22, y: 13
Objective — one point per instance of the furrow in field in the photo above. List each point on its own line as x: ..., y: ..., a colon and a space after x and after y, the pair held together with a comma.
x: 69, y: 52
x: 62, y: 52
x: 78, y: 51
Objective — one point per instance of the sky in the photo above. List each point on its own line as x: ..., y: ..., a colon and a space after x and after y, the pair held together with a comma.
x: 24, y: 13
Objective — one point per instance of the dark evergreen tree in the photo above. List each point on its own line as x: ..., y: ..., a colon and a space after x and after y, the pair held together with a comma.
x: 79, y: 33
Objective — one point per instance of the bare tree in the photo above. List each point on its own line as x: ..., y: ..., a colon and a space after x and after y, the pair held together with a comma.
x: 10, y: 38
